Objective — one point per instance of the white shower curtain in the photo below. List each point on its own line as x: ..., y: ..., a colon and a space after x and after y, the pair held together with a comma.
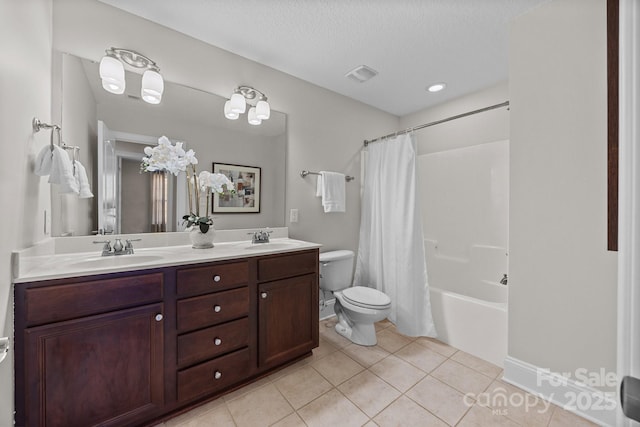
x: 391, y: 254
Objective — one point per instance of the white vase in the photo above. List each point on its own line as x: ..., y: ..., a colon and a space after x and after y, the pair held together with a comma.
x: 200, y: 240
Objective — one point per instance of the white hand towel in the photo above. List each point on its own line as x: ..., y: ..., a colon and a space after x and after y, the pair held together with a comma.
x: 43, y: 161
x: 83, y: 181
x: 62, y: 172
x: 333, y: 191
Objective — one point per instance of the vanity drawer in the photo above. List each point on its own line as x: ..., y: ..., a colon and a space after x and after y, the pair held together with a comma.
x: 201, y: 280
x: 205, y: 344
x: 289, y: 265
x: 214, y: 375
x: 199, y: 312
x: 49, y: 304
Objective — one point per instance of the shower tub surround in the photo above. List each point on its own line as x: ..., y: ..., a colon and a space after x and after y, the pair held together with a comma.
x: 464, y: 196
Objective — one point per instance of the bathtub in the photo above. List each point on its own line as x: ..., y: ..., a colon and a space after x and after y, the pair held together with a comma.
x: 468, y: 303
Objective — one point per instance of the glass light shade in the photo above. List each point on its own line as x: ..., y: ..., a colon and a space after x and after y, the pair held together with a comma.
x: 228, y: 113
x: 252, y: 118
x: 263, y: 111
x: 238, y: 103
x: 112, y: 75
x: 152, y: 87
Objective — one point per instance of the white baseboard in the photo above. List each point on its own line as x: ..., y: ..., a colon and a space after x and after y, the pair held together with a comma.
x: 584, y: 400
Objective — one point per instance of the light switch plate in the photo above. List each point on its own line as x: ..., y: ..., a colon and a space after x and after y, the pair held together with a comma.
x: 293, y: 215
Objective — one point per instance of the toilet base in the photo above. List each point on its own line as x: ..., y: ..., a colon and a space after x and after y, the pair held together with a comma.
x: 361, y: 334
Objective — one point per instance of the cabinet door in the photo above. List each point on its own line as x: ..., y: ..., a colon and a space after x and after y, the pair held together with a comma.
x: 105, y: 369
x: 288, y: 313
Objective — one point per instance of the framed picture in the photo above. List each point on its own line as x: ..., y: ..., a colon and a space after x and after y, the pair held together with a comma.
x: 246, y: 182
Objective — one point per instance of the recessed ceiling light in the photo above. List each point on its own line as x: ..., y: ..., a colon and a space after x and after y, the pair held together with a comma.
x: 437, y: 87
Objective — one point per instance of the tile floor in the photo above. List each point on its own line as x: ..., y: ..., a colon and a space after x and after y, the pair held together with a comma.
x: 401, y: 381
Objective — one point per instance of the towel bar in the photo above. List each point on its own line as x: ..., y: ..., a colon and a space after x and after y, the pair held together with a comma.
x: 304, y: 173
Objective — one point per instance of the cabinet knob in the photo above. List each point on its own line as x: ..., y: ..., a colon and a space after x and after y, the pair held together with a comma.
x: 159, y: 317
x: 216, y: 278
x: 217, y: 375
x: 217, y: 308
x: 217, y: 341
x: 263, y: 295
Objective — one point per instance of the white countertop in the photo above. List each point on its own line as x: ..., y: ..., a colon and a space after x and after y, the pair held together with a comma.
x: 54, y: 266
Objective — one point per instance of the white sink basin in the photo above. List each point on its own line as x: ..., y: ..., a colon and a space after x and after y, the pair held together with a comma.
x: 114, y: 261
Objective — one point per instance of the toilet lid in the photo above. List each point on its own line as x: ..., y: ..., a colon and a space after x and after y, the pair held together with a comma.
x: 366, y: 297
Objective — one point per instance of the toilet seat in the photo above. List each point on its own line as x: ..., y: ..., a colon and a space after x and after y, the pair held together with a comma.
x: 365, y: 297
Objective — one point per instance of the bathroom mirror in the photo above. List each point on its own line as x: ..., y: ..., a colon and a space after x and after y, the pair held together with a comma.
x: 185, y: 114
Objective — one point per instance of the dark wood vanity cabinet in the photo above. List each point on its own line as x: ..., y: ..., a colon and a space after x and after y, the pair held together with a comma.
x: 287, y: 307
x: 130, y: 349
x: 90, y: 352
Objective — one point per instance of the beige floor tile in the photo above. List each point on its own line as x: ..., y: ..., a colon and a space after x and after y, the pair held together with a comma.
x: 292, y: 420
x: 479, y: 416
x: 562, y: 418
x: 516, y: 404
x: 247, y: 389
x: 365, y: 355
x: 437, y: 346
x: 383, y: 324
x: 302, y: 386
x: 337, y: 367
x: 405, y: 412
x: 369, y: 392
x: 261, y: 407
x: 391, y: 341
x: 400, y: 374
x: 370, y: 424
x: 219, y: 416
x: 195, y: 412
x: 473, y: 362
x: 289, y: 369
x: 441, y: 400
x: 462, y: 378
x: 421, y: 357
x: 332, y: 409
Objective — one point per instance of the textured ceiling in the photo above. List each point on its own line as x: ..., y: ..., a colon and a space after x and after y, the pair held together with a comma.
x: 411, y: 43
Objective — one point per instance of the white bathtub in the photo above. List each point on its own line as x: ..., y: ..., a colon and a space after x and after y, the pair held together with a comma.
x: 469, y: 304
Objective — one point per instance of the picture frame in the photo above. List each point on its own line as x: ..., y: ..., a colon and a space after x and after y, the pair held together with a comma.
x: 246, y: 182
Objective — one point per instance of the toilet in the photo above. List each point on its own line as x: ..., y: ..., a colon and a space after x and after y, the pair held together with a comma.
x: 357, y: 307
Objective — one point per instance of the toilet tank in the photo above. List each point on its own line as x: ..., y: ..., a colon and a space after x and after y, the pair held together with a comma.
x: 336, y: 268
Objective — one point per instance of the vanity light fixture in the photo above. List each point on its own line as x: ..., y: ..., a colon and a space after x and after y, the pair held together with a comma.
x: 237, y: 105
x: 112, y: 73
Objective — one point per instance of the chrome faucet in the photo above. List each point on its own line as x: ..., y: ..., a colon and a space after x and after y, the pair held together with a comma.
x: 504, y: 279
x: 106, y: 249
x: 260, y: 236
x: 118, y: 247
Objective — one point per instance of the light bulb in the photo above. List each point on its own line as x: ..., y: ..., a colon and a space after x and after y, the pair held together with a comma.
x: 263, y: 111
x: 228, y: 113
x: 238, y: 103
x: 152, y: 87
x: 112, y: 75
x: 252, y: 118
x: 436, y: 87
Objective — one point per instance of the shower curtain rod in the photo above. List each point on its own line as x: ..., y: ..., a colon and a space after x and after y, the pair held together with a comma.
x: 437, y: 122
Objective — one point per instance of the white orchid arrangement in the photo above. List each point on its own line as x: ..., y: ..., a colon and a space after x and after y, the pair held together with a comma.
x: 174, y: 159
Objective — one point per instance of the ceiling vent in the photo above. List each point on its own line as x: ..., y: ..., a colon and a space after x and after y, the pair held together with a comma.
x: 361, y: 74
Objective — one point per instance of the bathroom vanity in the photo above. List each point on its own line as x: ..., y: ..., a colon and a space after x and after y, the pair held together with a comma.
x: 132, y: 346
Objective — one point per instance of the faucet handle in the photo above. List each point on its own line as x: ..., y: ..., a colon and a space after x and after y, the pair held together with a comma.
x: 128, y: 248
x: 107, y: 246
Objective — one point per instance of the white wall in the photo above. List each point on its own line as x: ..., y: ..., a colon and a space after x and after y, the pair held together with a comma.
x: 25, y: 85
x: 562, y: 287
x: 325, y: 130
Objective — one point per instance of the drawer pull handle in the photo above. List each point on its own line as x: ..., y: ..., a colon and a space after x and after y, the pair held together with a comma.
x: 263, y: 295
x: 217, y: 375
x: 216, y: 278
x: 217, y: 341
x: 159, y: 317
x: 217, y: 308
